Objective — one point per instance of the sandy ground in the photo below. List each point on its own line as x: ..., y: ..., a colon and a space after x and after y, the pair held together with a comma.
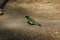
x: 14, y: 26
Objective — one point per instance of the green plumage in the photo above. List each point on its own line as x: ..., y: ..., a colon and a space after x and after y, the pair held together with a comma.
x: 32, y: 21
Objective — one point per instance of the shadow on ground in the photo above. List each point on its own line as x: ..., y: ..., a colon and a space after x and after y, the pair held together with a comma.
x: 6, y: 34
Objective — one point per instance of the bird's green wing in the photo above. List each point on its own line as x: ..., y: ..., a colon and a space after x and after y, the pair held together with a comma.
x: 31, y: 21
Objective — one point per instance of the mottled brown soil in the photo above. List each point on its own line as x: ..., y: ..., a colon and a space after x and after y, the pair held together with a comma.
x: 14, y: 26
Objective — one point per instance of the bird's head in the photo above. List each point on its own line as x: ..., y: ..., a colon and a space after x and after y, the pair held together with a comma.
x: 27, y: 17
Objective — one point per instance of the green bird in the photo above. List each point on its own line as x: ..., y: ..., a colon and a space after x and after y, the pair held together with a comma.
x: 32, y: 22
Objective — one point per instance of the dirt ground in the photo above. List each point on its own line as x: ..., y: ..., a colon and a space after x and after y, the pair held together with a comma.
x: 14, y: 26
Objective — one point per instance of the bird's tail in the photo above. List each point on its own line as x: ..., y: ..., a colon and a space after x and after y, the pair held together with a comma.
x: 39, y: 24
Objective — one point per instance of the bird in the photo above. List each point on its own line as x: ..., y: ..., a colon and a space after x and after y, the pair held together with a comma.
x: 32, y: 21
